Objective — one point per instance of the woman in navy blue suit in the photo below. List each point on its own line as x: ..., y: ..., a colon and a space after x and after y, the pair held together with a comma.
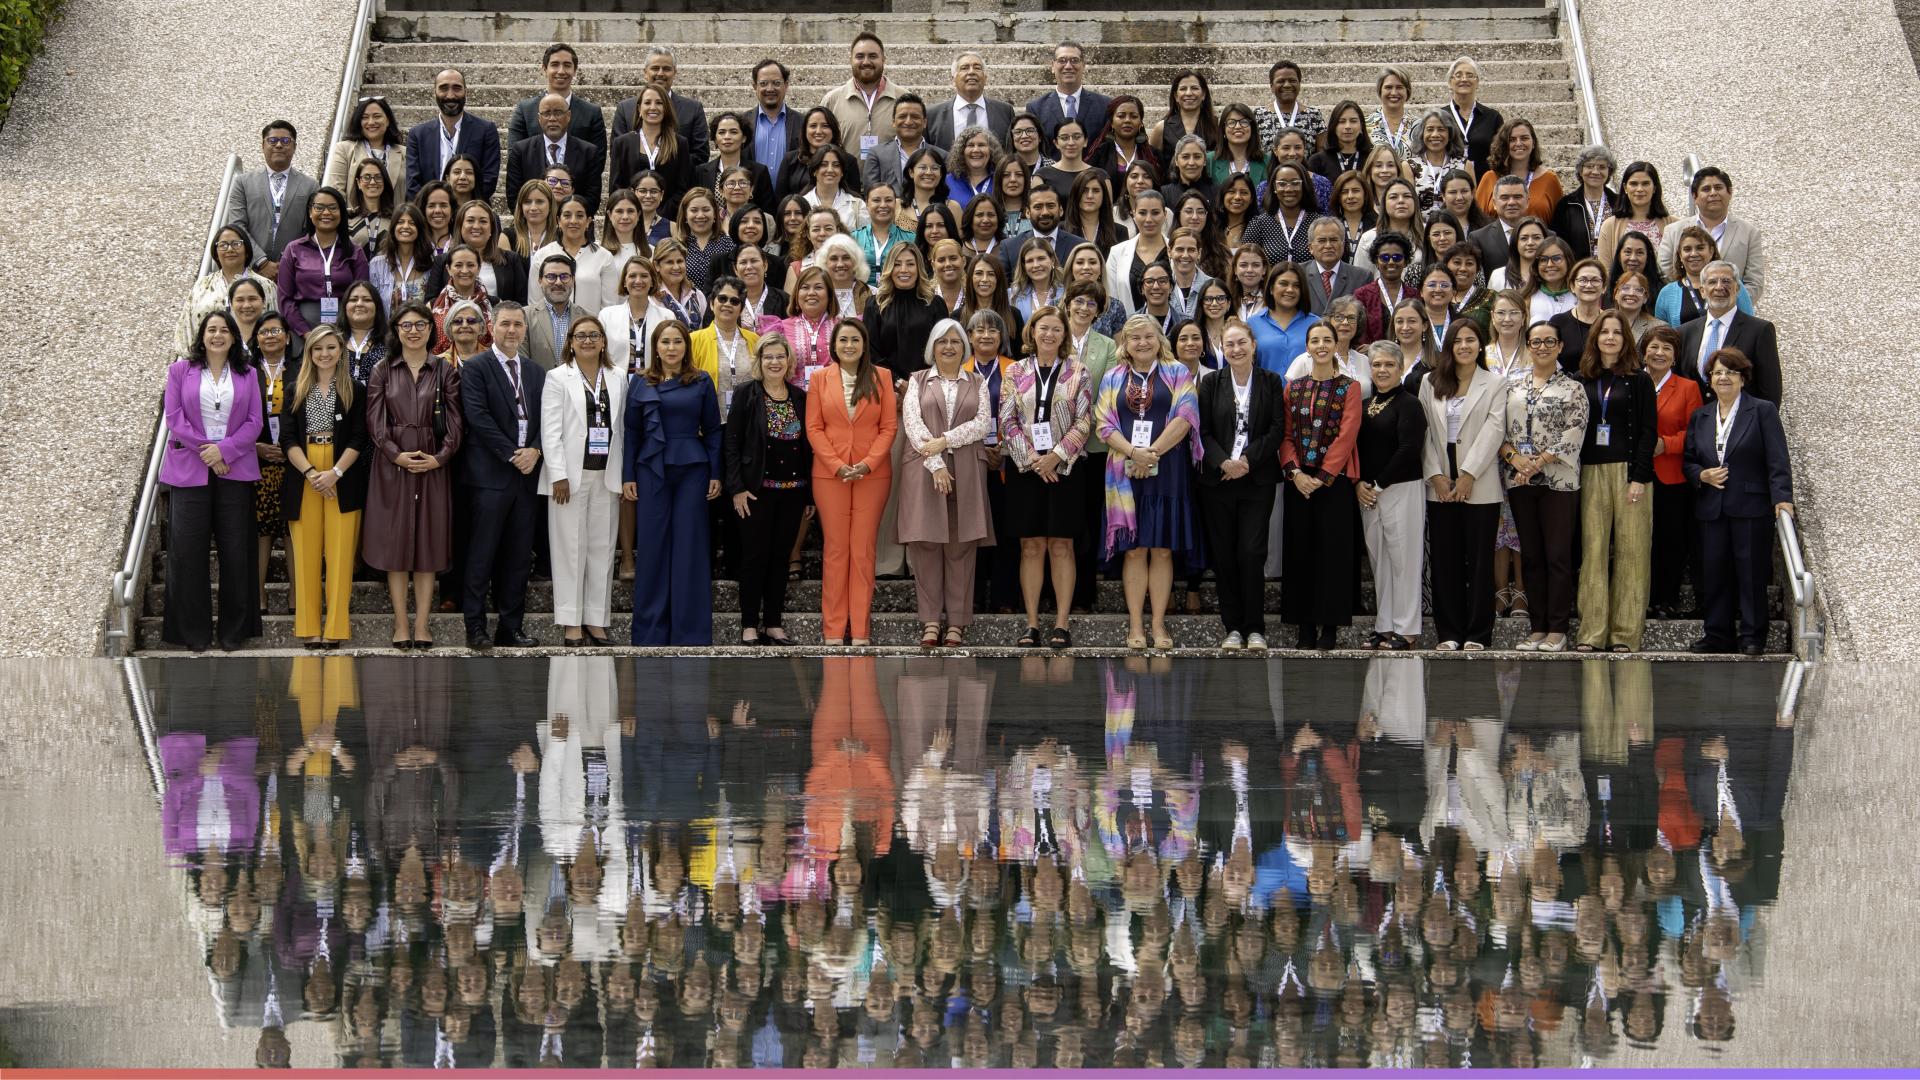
x: 672, y: 469
x: 1737, y: 456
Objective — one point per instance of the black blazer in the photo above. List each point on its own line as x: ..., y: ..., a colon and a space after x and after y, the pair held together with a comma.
x: 510, y: 275
x: 1569, y: 222
x: 795, y: 178
x: 707, y: 175
x: 586, y: 121
x: 796, y: 133
x: 1480, y: 132
x: 744, y: 444
x: 1491, y: 239
x: 478, y: 137
x: 349, y: 433
x: 676, y: 173
x: 486, y: 403
x: 1266, y: 426
x: 1759, y: 476
x: 1753, y: 336
x: 690, y: 122
x: 1092, y: 115
x: 1063, y: 244
x: 900, y: 332
x: 586, y: 161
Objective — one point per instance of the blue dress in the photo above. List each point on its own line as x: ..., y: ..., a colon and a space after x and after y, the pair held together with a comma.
x: 1163, y: 504
x: 672, y: 451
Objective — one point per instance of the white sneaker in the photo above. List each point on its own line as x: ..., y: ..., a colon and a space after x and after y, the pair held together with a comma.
x: 1233, y: 642
x: 1257, y: 642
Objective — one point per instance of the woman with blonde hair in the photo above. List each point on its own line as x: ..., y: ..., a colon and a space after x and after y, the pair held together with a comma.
x: 323, y: 432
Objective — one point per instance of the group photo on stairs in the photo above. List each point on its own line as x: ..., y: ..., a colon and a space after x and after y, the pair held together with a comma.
x: 1228, y: 347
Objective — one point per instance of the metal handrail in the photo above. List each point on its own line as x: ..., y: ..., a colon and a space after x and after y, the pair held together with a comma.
x: 1689, y: 165
x: 128, y: 580
x: 350, y: 75
x: 1808, y: 634
x: 1582, y: 74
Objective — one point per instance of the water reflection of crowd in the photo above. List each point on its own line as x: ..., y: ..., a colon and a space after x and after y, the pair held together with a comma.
x: 855, y: 862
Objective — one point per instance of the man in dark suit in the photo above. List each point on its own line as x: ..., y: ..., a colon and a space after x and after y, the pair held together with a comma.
x: 554, y: 145
x: 270, y: 203
x: 777, y: 130
x: 1069, y: 97
x: 500, y: 398
x: 1328, y: 278
x: 690, y: 117
x: 1494, y: 238
x: 970, y: 105
x: 1725, y: 326
x: 560, y: 65
x: 1043, y: 218
x: 431, y: 144
x: 1742, y: 478
x: 888, y: 162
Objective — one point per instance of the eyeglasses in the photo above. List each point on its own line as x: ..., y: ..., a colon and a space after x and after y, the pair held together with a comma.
x: 279, y: 140
x: 273, y: 331
x: 588, y: 335
x: 1286, y: 183
x: 728, y: 300
x: 1216, y: 298
x: 1237, y: 122
x: 1543, y: 343
x: 411, y: 326
x: 556, y: 279
x: 1552, y: 259
x: 464, y: 320
x: 230, y: 245
x: 559, y: 182
x: 1387, y: 257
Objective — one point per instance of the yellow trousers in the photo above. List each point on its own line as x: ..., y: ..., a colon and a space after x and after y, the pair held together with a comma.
x: 323, y: 534
x: 1616, y: 558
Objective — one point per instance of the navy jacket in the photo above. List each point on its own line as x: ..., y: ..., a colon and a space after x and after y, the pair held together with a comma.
x: 1759, y: 475
x: 486, y: 401
x: 673, y: 423
x: 478, y: 137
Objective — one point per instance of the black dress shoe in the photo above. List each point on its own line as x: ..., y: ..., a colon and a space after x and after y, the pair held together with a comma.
x: 479, y: 642
x: 1704, y: 647
x: 1329, y: 638
x: 421, y: 646
x: 573, y: 642
x: 517, y: 639
x: 598, y: 639
x: 313, y: 646
x: 1753, y: 648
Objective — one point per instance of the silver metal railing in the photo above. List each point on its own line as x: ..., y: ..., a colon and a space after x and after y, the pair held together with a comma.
x: 124, y: 606
x: 1582, y: 74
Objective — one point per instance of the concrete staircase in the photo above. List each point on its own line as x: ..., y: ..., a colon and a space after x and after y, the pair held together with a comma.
x: 1524, y: 61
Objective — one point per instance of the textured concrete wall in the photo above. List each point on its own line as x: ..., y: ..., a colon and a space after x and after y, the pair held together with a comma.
x: 1754, y: 87
x: 109, y: 164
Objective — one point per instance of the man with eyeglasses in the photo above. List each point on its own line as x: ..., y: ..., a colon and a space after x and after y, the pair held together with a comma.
x: 555, y: 145
x: 561, y: 67
x: 550, y: 316
x: 1069, y: 99
x: 500, y: 395
x: 270, y: 203
x: 433, y: 143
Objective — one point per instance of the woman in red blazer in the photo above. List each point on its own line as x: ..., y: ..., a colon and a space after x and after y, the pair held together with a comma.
x: 851, y: 421
x: 1676, y: 540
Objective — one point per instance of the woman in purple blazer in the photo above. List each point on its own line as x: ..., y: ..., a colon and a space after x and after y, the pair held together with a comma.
x: 214, y: 416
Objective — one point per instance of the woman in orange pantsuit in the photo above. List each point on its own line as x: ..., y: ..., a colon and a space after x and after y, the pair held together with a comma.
x: 851, y: 421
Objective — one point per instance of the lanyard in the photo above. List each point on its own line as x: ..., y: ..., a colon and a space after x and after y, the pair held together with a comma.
x: 731, y: 356
x: 1290, y: 120
x: 1043, y: 388
x: 1722, y: 429
x: 598, y: 399
x: 1293, y: 232
x: 637, y: 340
x: 1242, y: 403
x: 326, y: 262
x: 1440, y: 333
x: 1466, y: 123
x: 646, y: 147
x: 1606, y: 395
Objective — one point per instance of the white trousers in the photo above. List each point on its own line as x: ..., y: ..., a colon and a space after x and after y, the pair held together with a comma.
x: 1396, y: 530
x: 582, y: 534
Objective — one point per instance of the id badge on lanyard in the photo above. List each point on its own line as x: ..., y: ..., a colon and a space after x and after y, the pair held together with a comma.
x: 1042, y: 436
x: 1143, y: 434
x: 1603, y: 431
x: 329, y: 304
x: 273, y: 429
x: 599, y: 435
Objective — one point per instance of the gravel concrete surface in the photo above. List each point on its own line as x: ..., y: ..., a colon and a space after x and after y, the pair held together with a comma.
x: 1748, y: 88
x: 109, y: 164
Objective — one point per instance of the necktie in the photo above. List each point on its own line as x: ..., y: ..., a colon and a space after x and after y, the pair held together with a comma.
x: 1326, y: 283
x: 553, y: 153
x: 519, y: 401
x: 277, y: 183
x: 973, y: 116
x: 1073, y: 106
x: 1713, y: 342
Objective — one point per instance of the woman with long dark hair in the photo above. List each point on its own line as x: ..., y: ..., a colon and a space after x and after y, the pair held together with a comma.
x: 1466, y: 413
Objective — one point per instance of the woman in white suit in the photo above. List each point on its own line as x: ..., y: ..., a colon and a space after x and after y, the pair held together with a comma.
x: 580, y: 427
x: 1466, y: 407
x: 629, y: 324
x: 1129, y: 259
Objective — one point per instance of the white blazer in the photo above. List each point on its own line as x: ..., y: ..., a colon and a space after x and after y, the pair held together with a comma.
x: 563, y: 427
x: 1120, y: 273
x: 617, y: 320
x: 1482, y: 427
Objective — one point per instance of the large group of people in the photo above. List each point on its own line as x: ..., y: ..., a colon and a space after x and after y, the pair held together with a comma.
x: 858, y: 862
x: 1003, y: 350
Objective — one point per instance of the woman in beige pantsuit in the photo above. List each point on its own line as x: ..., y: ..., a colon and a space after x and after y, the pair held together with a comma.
x: 943, y: 516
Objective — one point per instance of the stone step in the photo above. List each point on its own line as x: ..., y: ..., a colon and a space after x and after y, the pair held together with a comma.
x: 1092, y: 631
x: 1099, y: 30
x: 627, y: 70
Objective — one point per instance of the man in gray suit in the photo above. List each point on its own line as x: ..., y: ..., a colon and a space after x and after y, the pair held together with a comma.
x: 1740, y: 243
x: 271, y: 202
x: 888, y: 162
x: 970, y: 106
x: 1495, y: 238
x: 1328, y: 278
x: 561, y: 66
x: 549, y: 318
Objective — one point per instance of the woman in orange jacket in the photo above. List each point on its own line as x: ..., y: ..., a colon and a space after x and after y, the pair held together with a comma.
x: 851, y: 420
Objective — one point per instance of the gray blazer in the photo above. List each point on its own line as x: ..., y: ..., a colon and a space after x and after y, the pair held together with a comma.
x: 251, y: 208
x: 942, y: 126
x: 883, y: 165
x: 540, y: 346
x: 1491, y: 239
x: 1347, y: 279
x: 1740, y: 245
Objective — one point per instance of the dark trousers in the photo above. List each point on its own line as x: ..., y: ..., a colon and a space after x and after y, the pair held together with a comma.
x: 1736, y: 569
x: 1235, y: 514
x: 1460, y: 565
x: 673, y: 573
x: 1676, y: 544
x: 766, y: 538
x: 198, y: 519
x: 1086, y: 548
x: 1320, y: 554
x: 453, y: 580
x: 500, y: 555
x: 1547, y: 522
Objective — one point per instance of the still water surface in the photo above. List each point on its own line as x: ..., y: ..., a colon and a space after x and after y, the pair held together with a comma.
x: 945, y: 863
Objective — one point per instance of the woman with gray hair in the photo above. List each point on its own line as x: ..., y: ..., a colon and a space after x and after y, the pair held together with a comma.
x: 1578, y: 215
x: 1437, y: 151
x: 1476, y: 123
x: 1393, y: 509
x: 972, y: 164
x: 946, y: 413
